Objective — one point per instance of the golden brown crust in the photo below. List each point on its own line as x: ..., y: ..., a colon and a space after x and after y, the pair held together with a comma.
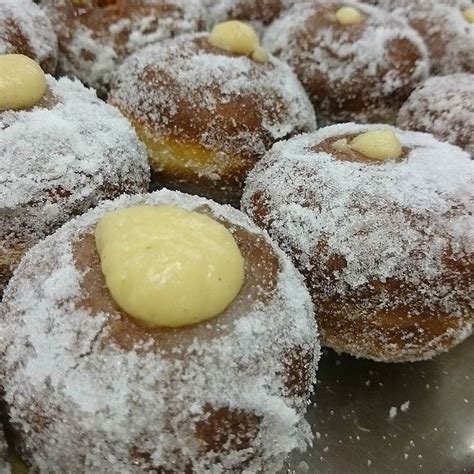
x: 10, y: 256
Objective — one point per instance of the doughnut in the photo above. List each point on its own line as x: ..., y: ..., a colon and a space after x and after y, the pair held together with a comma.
x: 96, y: 35
x: 380, y: 222
x: 447, y: 28
x: 25, y: 29
x: 259, y: 13
x: 208, y: 111
x: 356, y: 62
x: 63, y: 150
x: 444, y: 107
x: 93, y: 388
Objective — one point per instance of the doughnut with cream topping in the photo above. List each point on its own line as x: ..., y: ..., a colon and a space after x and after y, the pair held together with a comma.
x: 357, y: 62
x: 208, y: 106
x: 446, y: 26
x: 92, y: 389
x: 63, y: 150
x: 380, y: 223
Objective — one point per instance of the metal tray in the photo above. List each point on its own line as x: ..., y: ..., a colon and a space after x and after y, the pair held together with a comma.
x: 363, y: 423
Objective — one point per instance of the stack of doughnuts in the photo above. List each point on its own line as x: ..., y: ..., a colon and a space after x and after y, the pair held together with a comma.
x: 147, y: 330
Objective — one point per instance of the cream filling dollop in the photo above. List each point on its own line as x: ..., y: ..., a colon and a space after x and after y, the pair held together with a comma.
x: 22, y: 82
x: 169, y: 267
x: 378, y: 144
x: 238, y: 38
x: 349, y: 16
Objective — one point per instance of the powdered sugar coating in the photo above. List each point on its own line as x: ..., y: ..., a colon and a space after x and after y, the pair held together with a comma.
x: 449, y: 37
x: 209, y: 79
x: 361, y: 72
x: 108, y: 402
x: 259, y: 13
x: 60, y: 159
x: 355, y: 228
x: 443, y: 106
x: 25, y: 29
x: 94, y: 39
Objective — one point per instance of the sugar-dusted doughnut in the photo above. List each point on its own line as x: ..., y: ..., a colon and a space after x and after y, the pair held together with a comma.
x: 444, y: 107
x: 208, y: 106
x: 380, y: 222
x: 96, y: 35
x: 93, y: 388
x: 356, y: 61
x: 63, y: 150
x: 447, y: 27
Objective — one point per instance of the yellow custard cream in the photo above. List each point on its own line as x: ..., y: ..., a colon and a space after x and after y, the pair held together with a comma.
x: 378, y: 144
x: 349, y: 16
x: 167, y: 266
x: 238, y: 38
x: 22, y: 82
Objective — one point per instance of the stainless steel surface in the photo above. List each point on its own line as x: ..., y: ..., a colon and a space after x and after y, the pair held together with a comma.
x: 354, y: 430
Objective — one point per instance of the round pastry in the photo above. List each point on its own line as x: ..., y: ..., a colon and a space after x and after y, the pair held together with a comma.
x: 444, y: 107
x: 25, y: 29
x: 259, y: 13
x: 356, y: 61
x: 209, y: 368
x: 209, y: 106
x: 96, y: 35
x: 380, y: 223
x: 447, y: 28
x: 63, y: 150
